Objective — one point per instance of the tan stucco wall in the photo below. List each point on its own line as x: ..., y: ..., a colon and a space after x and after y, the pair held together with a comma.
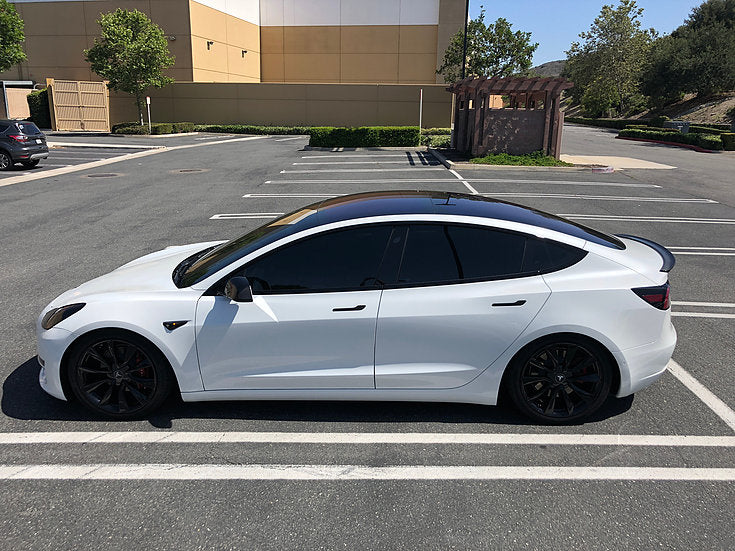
x: 57, y: 33
x: 350, y: 54
x: 291, y: 104
x: 224, y: 60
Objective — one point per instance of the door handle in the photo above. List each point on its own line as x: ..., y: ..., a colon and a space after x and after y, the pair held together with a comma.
x: 353, y: 309
x: 516, y: 303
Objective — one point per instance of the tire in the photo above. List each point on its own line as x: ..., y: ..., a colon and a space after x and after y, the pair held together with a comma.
x: 6, y: 162
x: 30, y: 164
x: 119, y: 374
x: 560, y: 379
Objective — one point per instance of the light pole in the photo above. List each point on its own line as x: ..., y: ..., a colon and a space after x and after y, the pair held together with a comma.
x: 464, y: 47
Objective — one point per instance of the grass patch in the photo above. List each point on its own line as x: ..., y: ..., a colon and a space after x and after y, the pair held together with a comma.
x: 537, y: 158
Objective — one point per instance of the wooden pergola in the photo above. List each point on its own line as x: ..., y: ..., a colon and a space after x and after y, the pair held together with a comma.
x: 511, y: 115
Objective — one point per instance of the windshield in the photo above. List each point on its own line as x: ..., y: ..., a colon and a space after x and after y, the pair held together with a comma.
x: 234, y: 250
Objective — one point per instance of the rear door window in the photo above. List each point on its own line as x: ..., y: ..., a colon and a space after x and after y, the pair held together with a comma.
x: 448, y: 253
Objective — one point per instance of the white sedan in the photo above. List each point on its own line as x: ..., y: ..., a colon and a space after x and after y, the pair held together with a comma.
x: 424, y: 296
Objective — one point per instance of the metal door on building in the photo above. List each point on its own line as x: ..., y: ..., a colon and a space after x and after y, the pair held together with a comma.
x: 79, y: 105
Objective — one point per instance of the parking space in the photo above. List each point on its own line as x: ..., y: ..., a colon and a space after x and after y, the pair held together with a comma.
x: 653, y: 470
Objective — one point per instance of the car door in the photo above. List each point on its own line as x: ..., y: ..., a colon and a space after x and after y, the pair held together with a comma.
x: 311, y: 324
x: 460, y: 298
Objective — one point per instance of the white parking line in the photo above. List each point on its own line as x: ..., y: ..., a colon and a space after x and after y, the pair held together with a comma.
x: 418, y: 167
x: 215, y: 137
x: 659, y: 219
x: 287, y: 195
x: 601, y: 197
x: 176, y: 471
x: 287, y: 139
x: 720, y: 408
x: 472, y: 190
x: 403, y: 162
x: 709, y: 304
x: 366, y: 438
x: 702, y: 315
x: 371, y: 181
x: 703, y: 251
x: 344, y: 156
x: 246, y: 215
x: 473, y: 180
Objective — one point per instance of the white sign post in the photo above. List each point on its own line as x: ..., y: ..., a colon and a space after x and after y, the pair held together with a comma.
x: 421, y: 111
x: 148, y: 103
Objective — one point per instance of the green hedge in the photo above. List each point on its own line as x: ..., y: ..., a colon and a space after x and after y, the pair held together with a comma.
x: 603, y: 123
x: 728, y: 141
x: 365, y: 136
x: 705, y: 141
x: 437, y: 131
x: 646, y: 127
x: 439, y: 141
x: 698, y: 129
x: 157, y: 128
x: 38, y: 105
x: 252, y: 129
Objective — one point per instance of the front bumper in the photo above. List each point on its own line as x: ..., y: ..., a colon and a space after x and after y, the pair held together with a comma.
x: 51, y: 345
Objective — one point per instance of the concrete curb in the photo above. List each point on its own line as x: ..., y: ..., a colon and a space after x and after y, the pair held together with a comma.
x: 452, y: 165
x: 673, y: 144
x: 102, y: 145
x: 340, y: 149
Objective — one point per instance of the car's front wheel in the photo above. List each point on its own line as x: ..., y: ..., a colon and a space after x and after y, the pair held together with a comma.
x: 560, y: 379
x: 119, y: 374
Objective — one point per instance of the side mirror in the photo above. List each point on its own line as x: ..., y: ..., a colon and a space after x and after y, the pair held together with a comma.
x: 238, y: 289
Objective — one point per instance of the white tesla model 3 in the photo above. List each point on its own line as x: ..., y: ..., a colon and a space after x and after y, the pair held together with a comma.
x: 411, y: 295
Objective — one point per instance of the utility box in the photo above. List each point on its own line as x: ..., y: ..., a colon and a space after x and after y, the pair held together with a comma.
x: 681, y: 126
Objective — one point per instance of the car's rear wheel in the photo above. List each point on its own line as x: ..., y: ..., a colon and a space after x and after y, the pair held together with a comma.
x: 6, y: 163
x: 560, y: 379
x: 119, y: 374
x: 30, y: 164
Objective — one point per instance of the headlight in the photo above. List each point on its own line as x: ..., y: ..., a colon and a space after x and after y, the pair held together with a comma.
x: 57, y: 315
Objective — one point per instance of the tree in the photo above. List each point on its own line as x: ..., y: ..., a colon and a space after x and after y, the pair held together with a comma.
x: 606, y: 65
x: 131, y: 54
x: 697, y: 57
x: 11, y: 36
x: 493, y: 50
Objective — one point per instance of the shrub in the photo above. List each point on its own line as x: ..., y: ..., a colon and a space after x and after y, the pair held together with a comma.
x: 437, y: 131
x: 728, y: 141
x: 658, y: 121
x: 697, y: 129
x: 38, y: 106
x: 162, y: 128
x: 364, y: 136
x: 129, y: 128
x: 731, y: 112
x: 182, y: 127
x: 705, y: 141
x: 252, y: 129
x: 438, y: 141
x: 537, y: 158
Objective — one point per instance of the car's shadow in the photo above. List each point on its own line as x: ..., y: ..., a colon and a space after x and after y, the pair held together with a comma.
x: 24, y: 399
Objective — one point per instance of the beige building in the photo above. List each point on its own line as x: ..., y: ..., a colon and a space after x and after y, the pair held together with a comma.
x: 274, y: 41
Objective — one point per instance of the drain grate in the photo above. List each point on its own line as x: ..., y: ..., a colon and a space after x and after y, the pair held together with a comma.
x: 103, y: 175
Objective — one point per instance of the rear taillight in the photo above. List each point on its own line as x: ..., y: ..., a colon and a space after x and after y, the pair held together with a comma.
x: 18, y: 137
x: 658, y: 297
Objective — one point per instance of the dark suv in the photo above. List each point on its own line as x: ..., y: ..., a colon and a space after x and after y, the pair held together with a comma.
x: 21, y: 142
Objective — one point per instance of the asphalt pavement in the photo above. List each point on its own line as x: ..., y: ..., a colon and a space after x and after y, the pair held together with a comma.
x: 653, y: 470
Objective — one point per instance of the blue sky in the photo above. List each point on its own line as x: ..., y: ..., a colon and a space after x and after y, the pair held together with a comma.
x: 556, y: 23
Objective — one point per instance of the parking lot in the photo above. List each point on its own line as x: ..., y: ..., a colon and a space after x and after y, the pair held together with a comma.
x: 653, y: 470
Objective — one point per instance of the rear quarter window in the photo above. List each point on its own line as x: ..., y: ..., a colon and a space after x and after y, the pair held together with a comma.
x: 543, y: 256
x: 27, y: 128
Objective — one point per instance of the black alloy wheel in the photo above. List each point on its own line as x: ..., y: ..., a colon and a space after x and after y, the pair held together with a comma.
x: 560, y: 380
x: 119, y: 375
x: 30, y: 164
x: 6, y: 163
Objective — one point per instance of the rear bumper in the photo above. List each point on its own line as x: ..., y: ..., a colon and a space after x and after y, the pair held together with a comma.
x: 645, y: 364
x: 37, y: 156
